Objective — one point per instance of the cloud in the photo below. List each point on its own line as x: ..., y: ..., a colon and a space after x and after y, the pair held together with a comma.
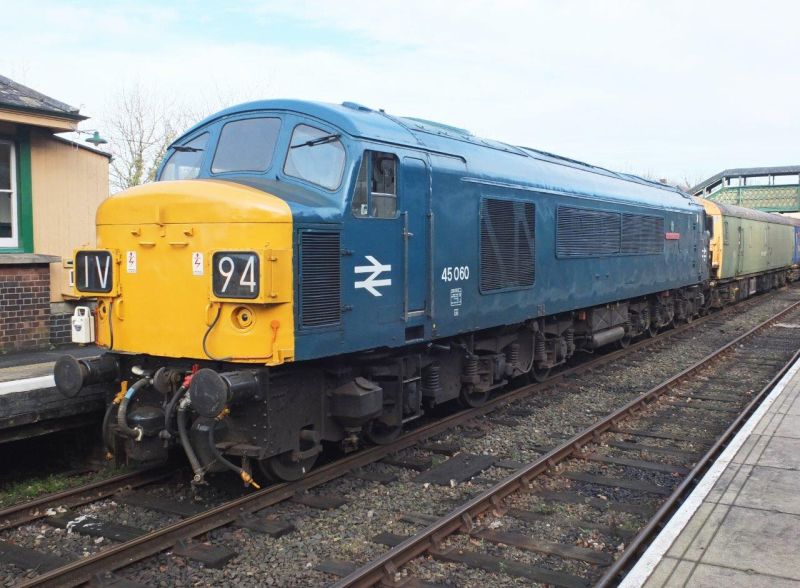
x: 680, y: 88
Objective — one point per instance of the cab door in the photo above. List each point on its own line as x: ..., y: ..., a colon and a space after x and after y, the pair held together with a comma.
x: 373, y: 245
x: 387, y: 249
x: 415, y: 205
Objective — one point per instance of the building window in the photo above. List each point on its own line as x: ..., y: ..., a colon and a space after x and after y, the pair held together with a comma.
x: 376, y: 187
x: 9, y: 230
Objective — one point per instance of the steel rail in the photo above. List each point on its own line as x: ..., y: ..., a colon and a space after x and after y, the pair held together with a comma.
x: 432, y: 536
x: 19, y: 514
x: 123, y: 554
x: 643, y: 537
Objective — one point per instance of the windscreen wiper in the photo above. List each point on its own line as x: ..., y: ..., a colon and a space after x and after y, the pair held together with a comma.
x: 317, y: 141
x: 186, y: 149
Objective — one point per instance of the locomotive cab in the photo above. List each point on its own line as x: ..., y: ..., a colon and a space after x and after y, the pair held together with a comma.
x: 207, y: 279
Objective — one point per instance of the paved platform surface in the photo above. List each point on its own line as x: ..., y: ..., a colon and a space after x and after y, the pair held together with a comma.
x: 741, y: 525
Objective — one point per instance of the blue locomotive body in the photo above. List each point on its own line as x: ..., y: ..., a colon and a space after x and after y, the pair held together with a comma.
x: 426, y: 264
x: 466, y: 234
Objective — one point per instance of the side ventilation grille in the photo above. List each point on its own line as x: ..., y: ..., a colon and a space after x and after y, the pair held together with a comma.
x: 320, y: 280
x: 508, y: 244
x: 586, y: 233
x: 581, y: 232
x: 642, y: 234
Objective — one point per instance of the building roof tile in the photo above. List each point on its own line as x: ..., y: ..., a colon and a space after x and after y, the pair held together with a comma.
x: 15, y: 96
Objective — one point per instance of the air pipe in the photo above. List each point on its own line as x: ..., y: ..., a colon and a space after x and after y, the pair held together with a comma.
x: 122, y: 414
x: 183, y: 408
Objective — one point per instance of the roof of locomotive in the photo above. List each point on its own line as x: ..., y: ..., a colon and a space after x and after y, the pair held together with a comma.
x: 752, y: 214
x: 487, y: 160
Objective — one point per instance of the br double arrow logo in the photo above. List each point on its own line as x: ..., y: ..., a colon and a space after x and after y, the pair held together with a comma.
x: 375, y: 269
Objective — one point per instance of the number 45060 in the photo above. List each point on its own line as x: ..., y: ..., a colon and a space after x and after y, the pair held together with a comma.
x: 455, y: 273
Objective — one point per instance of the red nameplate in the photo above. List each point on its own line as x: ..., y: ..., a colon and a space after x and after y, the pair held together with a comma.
x: 672, y: 236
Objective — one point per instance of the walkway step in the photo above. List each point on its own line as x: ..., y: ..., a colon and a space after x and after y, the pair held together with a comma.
x: 459, y: 468
x: 319, y: 501
x: 26, y: 558
x: 418, y: 464
x: 441, y: 448
x: 95, y: 527
x: 389, y: 539
x: 275, y: 528
x: 212, y: 556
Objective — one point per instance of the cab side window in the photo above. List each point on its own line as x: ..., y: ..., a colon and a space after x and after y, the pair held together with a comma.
x: 185, y: 161
x: 375, y: 195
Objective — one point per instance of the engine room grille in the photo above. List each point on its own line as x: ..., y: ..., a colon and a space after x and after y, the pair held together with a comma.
x: 642, y: 234
x: 320, y: 279
x: 508, y: 244
x: 581, y: 232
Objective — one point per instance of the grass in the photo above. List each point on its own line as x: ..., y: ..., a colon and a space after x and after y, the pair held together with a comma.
x: 19, y: 491
x: 544, y: 509
x: 24, y: 490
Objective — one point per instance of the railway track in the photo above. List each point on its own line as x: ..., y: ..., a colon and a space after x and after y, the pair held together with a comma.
x: 20, y: 514
x: 690, y: 426
x: 138, y: 548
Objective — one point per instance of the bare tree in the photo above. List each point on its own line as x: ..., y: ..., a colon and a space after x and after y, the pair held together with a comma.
x: 141, y: 125
x: 140, y: 128
x: 688, y: 183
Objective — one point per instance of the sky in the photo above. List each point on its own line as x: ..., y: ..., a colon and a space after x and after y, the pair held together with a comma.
x: 678, y: 90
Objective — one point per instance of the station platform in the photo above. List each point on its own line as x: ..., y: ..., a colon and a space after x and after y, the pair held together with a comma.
x: 740, y: 527
x: 30, y: 404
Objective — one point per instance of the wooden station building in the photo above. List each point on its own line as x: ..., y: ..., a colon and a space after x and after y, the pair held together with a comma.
x: 50, y: 188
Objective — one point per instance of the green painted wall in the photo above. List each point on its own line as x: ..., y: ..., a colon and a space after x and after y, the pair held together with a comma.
x: 766, y: 198
x: 751, y: 246
x: 24, y: 193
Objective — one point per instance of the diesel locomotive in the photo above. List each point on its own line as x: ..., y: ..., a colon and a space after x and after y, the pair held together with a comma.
x: 304, y: 274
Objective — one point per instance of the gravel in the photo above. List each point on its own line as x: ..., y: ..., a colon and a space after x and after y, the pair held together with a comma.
x: 346, y: 533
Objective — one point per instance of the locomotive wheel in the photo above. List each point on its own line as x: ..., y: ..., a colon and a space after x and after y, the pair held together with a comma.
x: 652, y: 330
x: 473, y: 399
x: 281, y: 468
x: 625, y: 342
x: 380, y: 433
x: 539, y: 375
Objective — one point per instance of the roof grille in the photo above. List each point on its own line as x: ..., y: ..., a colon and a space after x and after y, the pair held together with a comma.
x: 320, y: 279
x: 508, y: 244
